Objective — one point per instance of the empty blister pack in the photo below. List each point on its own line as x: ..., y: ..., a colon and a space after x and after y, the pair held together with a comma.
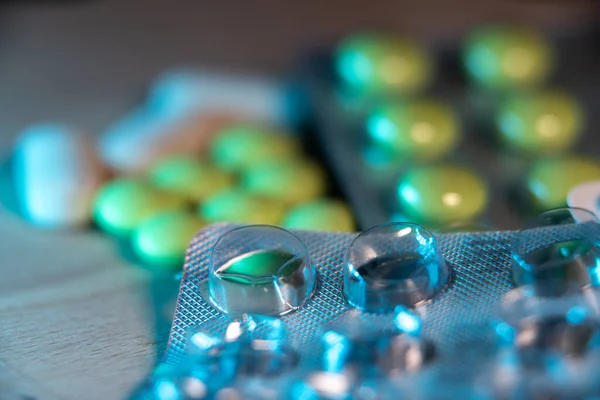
x: 393, y: 312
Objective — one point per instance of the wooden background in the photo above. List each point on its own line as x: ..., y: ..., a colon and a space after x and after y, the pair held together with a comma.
x: 77, y: 319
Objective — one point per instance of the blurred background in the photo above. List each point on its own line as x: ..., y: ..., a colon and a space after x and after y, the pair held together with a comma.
x: 75, y: 317
x: 86, y: 61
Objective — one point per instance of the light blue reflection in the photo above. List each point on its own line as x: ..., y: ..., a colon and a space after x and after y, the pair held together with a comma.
x: 577, y: 315
x: 407, y: 321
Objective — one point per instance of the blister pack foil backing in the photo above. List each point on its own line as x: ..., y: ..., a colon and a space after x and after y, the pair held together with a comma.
x: 458, y: 321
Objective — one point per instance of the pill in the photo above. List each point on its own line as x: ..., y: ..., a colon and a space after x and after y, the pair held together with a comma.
x: 184, y: 91
x: 377, y: 63
x: 505, y: 57
x: 57, y: 174
x: 419, y: 130
x: 546, y: 122
x: 289, y: 180
x: 442, y: 194
x: 586, y: 196
x: 237, y: 206
x: 123, y: 204
x: 549, y: 181
x: 162, y: 240
x: 190, y: 177
x: 141, y: 139
x: 240, y: 145
x: 320, y: 215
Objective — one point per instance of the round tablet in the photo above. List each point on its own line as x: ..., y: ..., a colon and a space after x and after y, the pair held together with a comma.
x: 190, y: 177
x: 123, y: 204
x: 442, y: 194
x: 540, y: 123
x: 320, y: 215
x: 501, y: 57
x: 549, y: 180
x: 238, y: 206
x: 163, y: 239
x: 374, y: 63
x: 290, y: 180
x: 420, y: 130
x: 239, y: 146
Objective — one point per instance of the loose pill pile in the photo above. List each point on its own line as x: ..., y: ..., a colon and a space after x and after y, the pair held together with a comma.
x: 194, y: 155
x: 506, y: 137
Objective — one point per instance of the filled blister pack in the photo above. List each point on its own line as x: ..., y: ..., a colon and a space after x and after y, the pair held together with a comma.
x: 476, y: 134
x: 393, y: 312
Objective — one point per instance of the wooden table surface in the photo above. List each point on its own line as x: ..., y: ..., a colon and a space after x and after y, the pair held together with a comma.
x: 77, y: 319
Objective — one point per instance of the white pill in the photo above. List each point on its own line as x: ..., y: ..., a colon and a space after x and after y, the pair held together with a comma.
x: 56, y: 174
x: 586, y: 196
x: 140, y: 139
x: 183, y: 91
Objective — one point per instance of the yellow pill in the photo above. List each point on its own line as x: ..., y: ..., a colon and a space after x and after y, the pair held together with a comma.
x: 320, y: 215
x: 123, y: 204
x: 239, y: 146
x: 190, y: 177
x: 238, y: 206
x: 162, y: 240
x: 292, y: 181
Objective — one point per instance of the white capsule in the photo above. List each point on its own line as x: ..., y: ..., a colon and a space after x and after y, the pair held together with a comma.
x: 182, y: 91
x: 586, y: 196
x: 140, y: 139
x: 56, y: 174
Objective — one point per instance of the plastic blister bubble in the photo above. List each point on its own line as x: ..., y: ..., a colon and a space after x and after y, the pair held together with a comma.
x: 391, y: 265
x: 260, y: 269
x: 469, y: 361
x: 566, y: 259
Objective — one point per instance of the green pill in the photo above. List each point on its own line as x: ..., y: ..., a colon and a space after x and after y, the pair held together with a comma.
x: 292, y: 181
x: 419, y: 130
x: 190, y: 177
x: 163, y: 239
x: 259, y: 267
x: 320, y: 215
x: 442, y: 194
x: 238, y: 206
x: 550, y: 180
x: 507, y: 57
x: 543, y: 123
x: 123, y: 204
x: 237, y: 147
x: 382, y: 64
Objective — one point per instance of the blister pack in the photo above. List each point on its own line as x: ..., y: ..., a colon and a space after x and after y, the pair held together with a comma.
x: 476, y: 144
x: 393, y: 312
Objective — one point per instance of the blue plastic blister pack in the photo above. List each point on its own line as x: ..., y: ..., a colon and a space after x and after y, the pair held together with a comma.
x: 394, y: 312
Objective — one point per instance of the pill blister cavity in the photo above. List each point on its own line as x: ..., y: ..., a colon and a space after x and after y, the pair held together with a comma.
x: 260, y: 269
x: 391, y: 265
x: 565, y: 326
x: 362, y: 354
x: 546, y: 344
x: 365, y: 345
x: 557, y: 252
x: 251, y: 346
x: 232, y: 357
